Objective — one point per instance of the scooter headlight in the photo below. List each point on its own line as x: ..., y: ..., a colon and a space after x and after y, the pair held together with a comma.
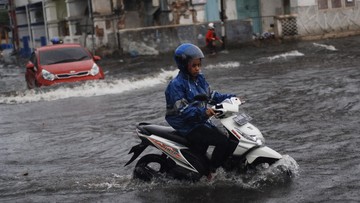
x: 94, y: 70
x: 259, y: 142
x: 253, y: 138
x: 47, y: 75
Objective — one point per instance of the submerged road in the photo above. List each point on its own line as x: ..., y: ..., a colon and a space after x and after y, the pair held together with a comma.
x: 69, y: 143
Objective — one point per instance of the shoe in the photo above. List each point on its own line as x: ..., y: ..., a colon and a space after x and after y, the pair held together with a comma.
x: 211, y: 176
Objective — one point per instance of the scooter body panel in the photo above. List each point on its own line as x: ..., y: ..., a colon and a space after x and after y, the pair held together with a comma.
x: 249, y: 138
x: 263, y: 151
x: 172, y: 149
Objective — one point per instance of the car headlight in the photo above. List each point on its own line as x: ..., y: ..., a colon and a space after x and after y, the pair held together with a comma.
x: 94, y: 70
x: 47, y: 75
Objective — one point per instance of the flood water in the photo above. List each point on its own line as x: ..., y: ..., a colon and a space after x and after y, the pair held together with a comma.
x: 69, y: 143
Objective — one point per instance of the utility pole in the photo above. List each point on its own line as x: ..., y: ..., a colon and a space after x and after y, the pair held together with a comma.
x: 13, y: 24
x: 45, y: 22
x: 31, y: 34
x: 223, y: 18
x: 93, y: 24
x: 117, y: 11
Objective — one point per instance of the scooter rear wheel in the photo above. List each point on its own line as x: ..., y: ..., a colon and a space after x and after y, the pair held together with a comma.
x: 150, y: 166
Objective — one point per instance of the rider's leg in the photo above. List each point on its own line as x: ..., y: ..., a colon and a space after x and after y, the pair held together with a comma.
x: 210, y: 135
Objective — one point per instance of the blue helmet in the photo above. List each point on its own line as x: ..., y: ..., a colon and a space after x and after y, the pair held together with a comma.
x: 185, y: 53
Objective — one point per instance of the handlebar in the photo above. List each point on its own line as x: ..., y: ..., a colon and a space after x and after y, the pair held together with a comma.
x: 230, y: 105
x: 219, y: 113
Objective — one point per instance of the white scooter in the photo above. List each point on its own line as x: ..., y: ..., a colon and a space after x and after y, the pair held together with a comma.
x: 178, y: 161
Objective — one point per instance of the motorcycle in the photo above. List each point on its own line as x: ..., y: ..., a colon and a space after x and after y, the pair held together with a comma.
x: 178, y: 161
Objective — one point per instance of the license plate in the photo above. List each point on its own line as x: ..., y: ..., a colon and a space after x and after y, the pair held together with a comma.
x: 242, y: 119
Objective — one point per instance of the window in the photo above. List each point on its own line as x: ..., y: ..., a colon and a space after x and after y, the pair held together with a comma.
x: 131, y: 5
x: 349, y: 3
x: 323, y: 4
x: 336, y: 3
x: 63, y: 55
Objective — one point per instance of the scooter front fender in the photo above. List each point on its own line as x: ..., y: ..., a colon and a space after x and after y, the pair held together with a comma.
x: 263, y: 151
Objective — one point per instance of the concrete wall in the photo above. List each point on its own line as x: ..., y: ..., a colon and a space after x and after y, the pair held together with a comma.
x: 102, y: 7
x: 155, y: 40
x: 61, y: 11
x: 238, y: 32
x: 75, y: 8
x: 312, y: 21
x: 230, y: 9
x: 22, y: 2
x: 268, y: 10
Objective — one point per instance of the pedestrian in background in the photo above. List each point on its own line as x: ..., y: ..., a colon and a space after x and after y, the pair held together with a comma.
x: 212, y: 39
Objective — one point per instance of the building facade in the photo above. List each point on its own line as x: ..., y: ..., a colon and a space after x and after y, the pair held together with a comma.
x: 5, y: 29
x: 125, y: 24
x: 320, y: 17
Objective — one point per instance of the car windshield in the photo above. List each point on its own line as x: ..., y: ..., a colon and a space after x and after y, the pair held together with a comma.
x: 63, y: 55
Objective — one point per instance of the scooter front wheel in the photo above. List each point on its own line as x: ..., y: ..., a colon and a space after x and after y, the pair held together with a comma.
x: 150, y: 166
x: 262, y: 162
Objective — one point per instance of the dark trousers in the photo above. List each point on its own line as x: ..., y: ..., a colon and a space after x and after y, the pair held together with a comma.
x: 211, y: 47
x: 203, y: 136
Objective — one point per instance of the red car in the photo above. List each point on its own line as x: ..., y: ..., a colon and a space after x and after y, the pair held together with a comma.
x: 60, y: 63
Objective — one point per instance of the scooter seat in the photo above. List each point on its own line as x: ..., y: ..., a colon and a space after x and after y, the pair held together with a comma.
x: 162, y: 131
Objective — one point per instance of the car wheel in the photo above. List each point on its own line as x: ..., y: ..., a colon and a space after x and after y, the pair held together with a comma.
x: 30, y: 80
x: 31, y: 84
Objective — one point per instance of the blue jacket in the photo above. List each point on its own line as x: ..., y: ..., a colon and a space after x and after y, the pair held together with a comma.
x: 183, y: 113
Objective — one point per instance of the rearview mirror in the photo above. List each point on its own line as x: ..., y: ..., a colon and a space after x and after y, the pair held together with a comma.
x: 97, y: 58
x: 30, y: 65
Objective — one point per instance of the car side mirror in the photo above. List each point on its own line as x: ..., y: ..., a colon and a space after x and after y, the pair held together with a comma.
x: 97, y: 58
x: 30, y: 65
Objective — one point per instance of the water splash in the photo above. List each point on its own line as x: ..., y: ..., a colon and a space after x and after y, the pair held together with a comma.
x: 286, y: 55
x: 230, y: 64
x: 328, y: 47
x: 124, y: 183
x: 86, y: 89
x: 281, y: 172
x: 94, y: 88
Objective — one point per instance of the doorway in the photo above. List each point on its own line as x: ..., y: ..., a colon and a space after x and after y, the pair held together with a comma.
x: 249, y: 9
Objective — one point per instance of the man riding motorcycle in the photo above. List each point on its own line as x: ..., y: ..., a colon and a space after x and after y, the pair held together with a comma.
x: 189, y: 117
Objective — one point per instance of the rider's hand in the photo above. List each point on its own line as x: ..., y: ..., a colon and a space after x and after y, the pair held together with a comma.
x: 209, y: 112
